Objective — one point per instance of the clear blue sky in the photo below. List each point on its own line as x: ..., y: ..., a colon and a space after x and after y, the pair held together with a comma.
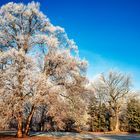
x: 106, y: 31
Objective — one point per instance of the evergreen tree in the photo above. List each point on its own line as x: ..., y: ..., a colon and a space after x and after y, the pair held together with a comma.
x: 133, y: 115
x: 98, y: 112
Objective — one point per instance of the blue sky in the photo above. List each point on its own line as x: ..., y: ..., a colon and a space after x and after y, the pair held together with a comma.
x: 106, y: 31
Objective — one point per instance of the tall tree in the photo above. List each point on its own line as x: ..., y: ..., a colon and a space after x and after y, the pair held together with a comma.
x: 22, y: 28
x: 114, y: 87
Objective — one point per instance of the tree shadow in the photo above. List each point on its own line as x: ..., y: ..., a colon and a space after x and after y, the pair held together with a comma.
x: 7, y: 133
x: 121, y: 136
x: 66, y: 135
x: 58, y: 134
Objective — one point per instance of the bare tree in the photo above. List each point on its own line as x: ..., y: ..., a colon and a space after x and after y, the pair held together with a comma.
x: 114, y: 88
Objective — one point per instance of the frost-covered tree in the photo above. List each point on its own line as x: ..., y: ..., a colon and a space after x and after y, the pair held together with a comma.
x: 67, y: 73
x: 114, y: 88
x: 23, y: 26
x: 22, y: 84
x: 61, y: 72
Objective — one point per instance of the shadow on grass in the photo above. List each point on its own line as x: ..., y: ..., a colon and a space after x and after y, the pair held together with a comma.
x: 57, y: 134
x: 49, y: 135
x: 120, y: 136
x: 7, y: 133
x: 66, y: 134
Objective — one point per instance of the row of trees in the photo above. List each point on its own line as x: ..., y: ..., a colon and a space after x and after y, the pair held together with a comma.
x: 43, y: 81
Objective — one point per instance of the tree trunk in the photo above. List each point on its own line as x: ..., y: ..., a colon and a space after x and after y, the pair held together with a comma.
x: 110, y: 123
x: 42, y: 126
x: 28, y: 122
x: 19, y: 131
x: 42, y: 120
x: 117, y: 125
